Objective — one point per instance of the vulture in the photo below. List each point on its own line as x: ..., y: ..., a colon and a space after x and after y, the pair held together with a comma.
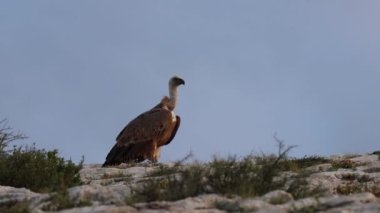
x: 143, y: 137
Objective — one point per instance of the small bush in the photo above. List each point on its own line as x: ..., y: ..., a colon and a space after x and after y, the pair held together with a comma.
x: 344, y: 164
x: 177, y: 183
x: 297, y: 165
x: 38, y: 170
x: 248, y: 177
x: 357, y: 187
x: 350, y: 188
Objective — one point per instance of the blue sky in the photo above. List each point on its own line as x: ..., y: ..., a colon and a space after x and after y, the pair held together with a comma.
x: 73, y: 73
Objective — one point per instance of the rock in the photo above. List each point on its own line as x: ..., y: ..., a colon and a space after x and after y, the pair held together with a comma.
x: 319, y: 168
x: 272, y: 210
x: 369, y: 163
x: 365, y: 207
x: 101, y: 209
x: 108, y: 189
x: 254, y: 204
x: 329, y: 202
x: 324, y: 180
x: 365, y: 159
x: 98, y: 194
x: 110, y: 175
x: 187, y: 204
x: 10, y: 195
x: 347, y: 202
x: 277, y: 197
x: 306, y: 203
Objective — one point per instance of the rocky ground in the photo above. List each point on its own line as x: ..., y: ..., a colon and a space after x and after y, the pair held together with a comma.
x: 352, y: 189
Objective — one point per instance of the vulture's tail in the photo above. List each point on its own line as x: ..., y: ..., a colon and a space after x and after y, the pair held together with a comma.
x: 117, y: 155
x: 121, y: 154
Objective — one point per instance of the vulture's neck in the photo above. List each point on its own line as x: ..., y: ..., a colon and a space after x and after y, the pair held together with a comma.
x: 173, y: 97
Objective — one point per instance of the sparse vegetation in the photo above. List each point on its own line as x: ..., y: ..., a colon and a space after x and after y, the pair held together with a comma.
x: 233, y: 177
x: 251, y: 176
x: 36, y: 169
x: 344, y: 164
x: 349, y: 188
x: 298, y: 164
x: 247, y: 177
x: 357, y: 183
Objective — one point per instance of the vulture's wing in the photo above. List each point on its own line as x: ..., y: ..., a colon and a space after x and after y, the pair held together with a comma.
x: 174, y: 132
x: 135, y: 139
x: 145, y: 127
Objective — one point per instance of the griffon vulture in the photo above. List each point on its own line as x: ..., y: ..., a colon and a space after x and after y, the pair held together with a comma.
x: 143, y: 137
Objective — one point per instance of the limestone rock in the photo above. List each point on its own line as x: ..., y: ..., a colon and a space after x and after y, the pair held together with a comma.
x: 277, y: 197
x: 9, y: 195
x: 107, y: 190
x: 98, y: 194
x: 101, y: 209
x: 332, y: 202
x: 254, y: 204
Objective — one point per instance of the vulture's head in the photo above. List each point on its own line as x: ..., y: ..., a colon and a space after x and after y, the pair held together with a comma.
x: 176, y: 81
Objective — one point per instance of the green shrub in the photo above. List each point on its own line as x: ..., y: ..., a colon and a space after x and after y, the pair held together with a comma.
x: 298, y: 164
x: 35, y: 169
x: 38, y: 170
x: 177, y: 183
x: 344, y: 164
x: 248, y: 177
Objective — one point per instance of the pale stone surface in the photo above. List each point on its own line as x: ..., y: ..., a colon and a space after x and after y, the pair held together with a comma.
x: 272, y: 210
x: 98, y: 194
x: 365, y: 207
x: 108, y: 175
x: 301, y: 204
x: 101, y: 209
x: 277, y: 197
x: 10, y: 195
x: 108, y: 188
x: 332, y: 202
x: 191, y: 203
x: 254, y: 204
x: 365, y: 159
x: 325, y: 180
x: 319, y: 168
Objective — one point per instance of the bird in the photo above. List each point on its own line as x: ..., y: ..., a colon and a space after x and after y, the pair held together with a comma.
x: 142, y: 138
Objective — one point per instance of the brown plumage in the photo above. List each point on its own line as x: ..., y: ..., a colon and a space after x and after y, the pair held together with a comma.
x: 143, y: 137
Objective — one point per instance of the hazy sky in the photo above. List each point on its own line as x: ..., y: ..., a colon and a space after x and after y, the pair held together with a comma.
x: 73, y: 73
